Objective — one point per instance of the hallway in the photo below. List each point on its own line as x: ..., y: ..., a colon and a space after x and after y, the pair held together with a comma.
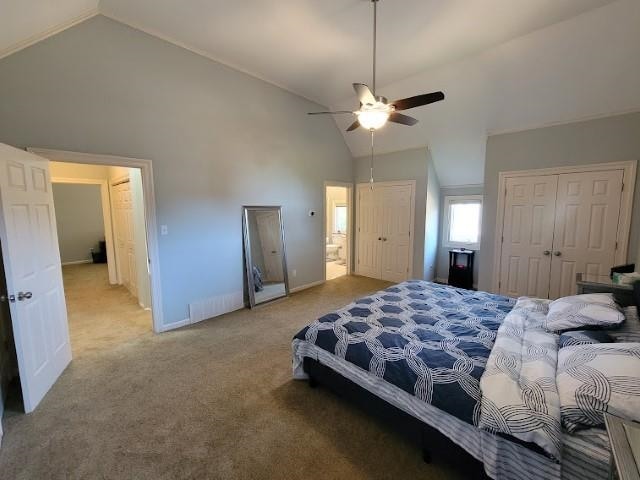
x: 100, y: 315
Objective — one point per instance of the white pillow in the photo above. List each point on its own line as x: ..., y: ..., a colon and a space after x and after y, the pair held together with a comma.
x: 577, y: 311
x: 598, y: 378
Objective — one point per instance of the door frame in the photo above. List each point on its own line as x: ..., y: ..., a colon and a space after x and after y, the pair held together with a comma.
x: 146, y: 170
x: 106, y: 217
x: 398, y: 183
x: 350, y: 243
x: 626, y: 205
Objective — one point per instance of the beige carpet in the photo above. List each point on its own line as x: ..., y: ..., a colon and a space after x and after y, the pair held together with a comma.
x: 215, y: 400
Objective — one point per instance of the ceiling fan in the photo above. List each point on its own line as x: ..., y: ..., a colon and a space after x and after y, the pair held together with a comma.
x: 376, y: 111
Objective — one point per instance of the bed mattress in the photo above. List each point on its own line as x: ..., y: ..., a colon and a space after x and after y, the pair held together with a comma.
x: 422, y: 347
x: 429, y: 340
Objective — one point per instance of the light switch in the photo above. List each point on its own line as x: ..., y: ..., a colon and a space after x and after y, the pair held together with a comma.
x: 164, y: 230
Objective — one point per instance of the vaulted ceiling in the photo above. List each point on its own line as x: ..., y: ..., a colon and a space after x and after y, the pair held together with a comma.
x: 475, y: 51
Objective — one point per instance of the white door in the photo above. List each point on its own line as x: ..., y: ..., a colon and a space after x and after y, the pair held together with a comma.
x: 396, y: 232
x: 586, y: 227
x: 369, y: 235
x: 271, y: 244
x: 528, y: 235
x: 384, y: 237
x: 125, y: 239
x: 34, y: 276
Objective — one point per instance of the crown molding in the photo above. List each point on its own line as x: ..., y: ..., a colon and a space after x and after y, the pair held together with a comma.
x: 203, y: 53
x: 21, y: 45
x: 585, y: 118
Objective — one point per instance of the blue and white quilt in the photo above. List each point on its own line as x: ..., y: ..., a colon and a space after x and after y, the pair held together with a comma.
x: 430, y: 340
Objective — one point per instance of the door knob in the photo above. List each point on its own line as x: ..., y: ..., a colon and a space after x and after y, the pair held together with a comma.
x: 557, y: 253
x: 379, y: 238
x: 384, y: 239
x: 24, y: 296
x: 546, y: 252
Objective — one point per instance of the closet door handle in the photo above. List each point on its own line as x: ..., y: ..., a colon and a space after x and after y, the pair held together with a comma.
x: 379, y: 238
x: 384, y: 239
x: 546, y: 252
x: 557, y: 253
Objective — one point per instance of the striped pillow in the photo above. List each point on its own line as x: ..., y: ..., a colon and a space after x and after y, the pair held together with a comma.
x: 594, y: 379
x: 584, y: 337
x: 578, y: 311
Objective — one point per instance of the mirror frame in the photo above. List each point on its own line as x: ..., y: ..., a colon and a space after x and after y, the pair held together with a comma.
x: 247, y: 253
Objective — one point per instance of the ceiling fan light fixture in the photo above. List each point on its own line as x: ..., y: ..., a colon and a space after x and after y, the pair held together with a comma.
x: 373, y: 119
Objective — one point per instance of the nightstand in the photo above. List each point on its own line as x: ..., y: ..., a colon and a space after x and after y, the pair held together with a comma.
x: 624, y: 437
x: 623, y: 294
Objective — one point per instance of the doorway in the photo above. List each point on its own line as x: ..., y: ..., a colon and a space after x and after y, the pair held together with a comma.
x: 338, y: 219
x: 100, y: 221
x: 34, y: 270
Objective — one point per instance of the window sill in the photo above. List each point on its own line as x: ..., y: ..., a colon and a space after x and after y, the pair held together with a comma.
x: 466, y: 246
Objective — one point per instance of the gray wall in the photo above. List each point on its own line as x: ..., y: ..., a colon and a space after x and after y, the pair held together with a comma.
x: 218, y: 139
x: 443, y: 252
x: 79, y: 220
x: 404, y: 165
x: 595, y: 141
x: 432, y: 220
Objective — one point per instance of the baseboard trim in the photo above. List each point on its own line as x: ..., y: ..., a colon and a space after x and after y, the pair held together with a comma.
x: 76, y: 262
x: 174, y: 325
x: 306, y: 286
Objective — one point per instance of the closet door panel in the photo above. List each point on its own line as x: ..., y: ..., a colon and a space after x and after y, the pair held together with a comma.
x: 528, y: 235
x: 396, y: 231
x: 369, y: 233
x: 586, y: 227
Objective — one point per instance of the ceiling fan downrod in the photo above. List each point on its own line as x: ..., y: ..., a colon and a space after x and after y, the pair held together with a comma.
x: 375, y: 38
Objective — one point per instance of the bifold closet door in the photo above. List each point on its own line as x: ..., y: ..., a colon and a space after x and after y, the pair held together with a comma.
x: 396, y: 232
x: 527, y: 236
x: 586, y: 227
x: 384, y: 240
x: 369, y: 232
x: 125, y: 244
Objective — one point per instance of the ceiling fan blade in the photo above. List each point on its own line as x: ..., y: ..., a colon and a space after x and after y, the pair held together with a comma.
x: 364, y: 94
x: 353, y: 126
x: 330, y: 113
x: 418, y: 100
x: 403, y: 119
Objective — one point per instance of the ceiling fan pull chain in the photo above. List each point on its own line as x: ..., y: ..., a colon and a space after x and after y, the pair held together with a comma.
x: 371, y: 165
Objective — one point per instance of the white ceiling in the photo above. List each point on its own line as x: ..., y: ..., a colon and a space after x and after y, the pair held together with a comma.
x: 319, y: 48
x: 489, y: 56
x: 23, y: 21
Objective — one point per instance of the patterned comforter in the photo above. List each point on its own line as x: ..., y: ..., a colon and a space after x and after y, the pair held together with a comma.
x: 430, y: 340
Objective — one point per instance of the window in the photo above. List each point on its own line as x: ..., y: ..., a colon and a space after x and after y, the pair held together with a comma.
x: 340, y: 219
x: 462, y: 221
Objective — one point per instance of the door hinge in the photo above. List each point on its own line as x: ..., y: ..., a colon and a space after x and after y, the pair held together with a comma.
x: 616, y: 246
x: 502, y: 239
x: 499, y: 284
x: 622, y: 189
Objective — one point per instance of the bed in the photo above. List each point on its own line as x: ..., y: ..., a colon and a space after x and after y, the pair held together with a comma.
x: 420, y: 349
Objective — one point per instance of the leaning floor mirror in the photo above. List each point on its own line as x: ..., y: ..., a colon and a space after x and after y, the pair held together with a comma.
x: 265, y: 258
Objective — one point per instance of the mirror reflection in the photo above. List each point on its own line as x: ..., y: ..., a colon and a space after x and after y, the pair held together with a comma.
x: 265, y: 254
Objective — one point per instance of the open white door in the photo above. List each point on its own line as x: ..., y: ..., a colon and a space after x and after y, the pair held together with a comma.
x: 32, y: 267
